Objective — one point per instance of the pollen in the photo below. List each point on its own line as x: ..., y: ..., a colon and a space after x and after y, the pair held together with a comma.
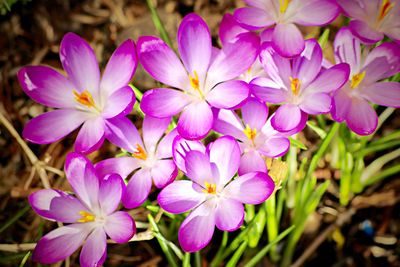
x: 250, y: 133
x: 139, y: 153
x: 357, y: 79
x: 86, y: 217
x: 210, y: 188
x: 283, y: 5
x: 384, y: 9
x: 295, y: 84
x: 85, y: 98
x: 195, y: 83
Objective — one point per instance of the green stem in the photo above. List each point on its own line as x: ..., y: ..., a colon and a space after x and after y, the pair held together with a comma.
x: 197, y: 259
x: 272, y: 225
x: 15, y: 218
x: 158, y: 24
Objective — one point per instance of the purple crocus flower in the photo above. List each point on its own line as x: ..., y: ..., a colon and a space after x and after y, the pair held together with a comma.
x: 203, y: 81
x: 256, y: 135
x: 82, y: 97
x: 372, y: 19
x: 299, y: 84
x: 90, y: 216
x: 214, y: 198
x: 150, y: 158
x: 350, y: 104
x: 287, y: 39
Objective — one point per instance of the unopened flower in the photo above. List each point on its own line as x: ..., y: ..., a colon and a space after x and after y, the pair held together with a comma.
x: 150, y: 158
x: 91, y: 215
x: 287, y: 39
x: 367, y: 69
x: 82, y: 97
x: 214, y: 198
x: 202, y: 81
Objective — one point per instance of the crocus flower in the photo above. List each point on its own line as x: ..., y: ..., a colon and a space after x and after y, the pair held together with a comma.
x: 256, y: 135
x: 150, y: 158
x: 372, y: 19
x: 214, y: 198
x: 299, y: 84
x: 91, y: 215
x: 350, y: 104
x: 201, y: 81
x: 82, y: 97
x: 287, y: 39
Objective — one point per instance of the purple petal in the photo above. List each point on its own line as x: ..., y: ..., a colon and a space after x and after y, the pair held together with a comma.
x: 79, y: 61
x: 120, y: 102
x: 317, y: 103
x: 180, y: 197
x: 227, y: 122
x: 308, y: 65
x: 229, y: 29
x: 122, y: 166
x: 383, y: 93
x: 271, y: 93
x: 110, y: 193
x: 120, y: 68
x: 162, y: 102
x: 229, y: 214
x: 250, y: 188
x: 46, y: 86
x: 323, y: 12
x: 253, y: 18
x: 286, y: 118
x: 197, y: 229
x: 123, y: 133
x: 347, y: 49
x: 365, y: 33
x: 56, y: 205
x: 94, y: 250
x: 250, y: 162
x: 164, y: 148
x: 161, y: 62
x: 254, y: 113
x: 120, y: 227
x: 198, y: 168
x: 287, y: 40
x: 153, y: 129
x: 82, y: 177
x: 330, y: 80
x: 52, y: 126
x: 195, y: 55
x: 361, y: 118
x: 228, y: 95
x: 275, y: 146
x: 195, y: 121
x: 90, y: 136
x: 60, y: 243
x: 138, y: 189
x: 225, y: 153
x: 341, y: 103
x: 181, y: 147
x: 164, y: 172
x: 353, y: 9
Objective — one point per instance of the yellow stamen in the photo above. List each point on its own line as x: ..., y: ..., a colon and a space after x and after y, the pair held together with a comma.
x: 195, y: 83
x: 210, y: 188
x: 384, y: 9
x: 357, y: 79
x: 250, y: 133
x: 85, y: 98
x: 283, y: 5
x: 139, y: 153
x: 295, y: 85
x: 86, y: 217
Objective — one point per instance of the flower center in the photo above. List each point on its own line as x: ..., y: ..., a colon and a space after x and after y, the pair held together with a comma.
x: 86, y: 217
x: 139, y: 153
x: 195, y: 83
x: 283, y: 5
x: 384, y: 9
x: 357, y: 79
x: 210, y: 188
x: 295, y: 85
x: 85, y: 98
x: 250, y: 133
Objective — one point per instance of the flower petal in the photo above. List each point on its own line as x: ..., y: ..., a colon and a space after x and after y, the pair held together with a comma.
x: 120, y: 68
x: 120, y: 227
x: 229, y: 214
x: 164, y: 148
x: 94, y: 250
x: 181, y: 147
x: 287, y: 40
x: 164, y: 172
x: 286, y: 118
x: 383, y: 93
x: 90, y: 136
x: 119, y: 103
x: 195, y: 121
x: 110, y: 193
x: 250, y: 188
x: 330, y: 80
x: 46, y: 86
x: 318, y: 103
x: 179, y: 197
x: 122, y: 166
x: 123, y: 133
x: 323, y: 12
x: 365, y: 33
x: 52, y: 126
x: 228, y: 95
x: 253, y: 18
x: 153, y: 129
x: 163, y: 102
x: 255, y: 113
x: 275, y: 146
x: 341, y: 103
x: 361, y: 118
x: 160, y: 61
x: 138, y: 189
x: 227, y: 122
x: 307, y: 66
x: 250, y: 162
x: 229, y: 29
x: 198, y: 168
x: 79, y: 61
x: 272, y: 93
x: 347, y: 49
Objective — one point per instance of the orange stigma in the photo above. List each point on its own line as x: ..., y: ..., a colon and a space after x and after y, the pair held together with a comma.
x: 195, y: 83
x: 384, y: 9
x: 295, y: 85
x: 86, y: 217
x: 210, y: 188
x: 357, y: 79
x: 139, y: 153
x: 85, y: 98
x: 250, y: 133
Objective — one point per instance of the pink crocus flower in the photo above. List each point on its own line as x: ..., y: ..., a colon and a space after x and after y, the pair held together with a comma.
x: 91, y: 215
x: 298, y: 84
x: 82, y: 97
x: 372, y: 19
x: 204, y: 80
x: 287, y: 39
x: 151, y: 159
x: 214, y: 198
x: 368, y: 69
x: 257, y: 138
